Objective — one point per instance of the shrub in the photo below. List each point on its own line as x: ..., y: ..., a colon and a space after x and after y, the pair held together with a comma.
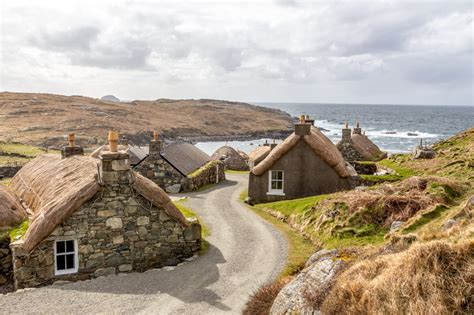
x: 429, y: 278
x: 261, y: 300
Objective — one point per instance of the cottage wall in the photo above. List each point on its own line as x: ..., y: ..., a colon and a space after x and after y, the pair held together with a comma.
x: 9, y: 171
x: 161, y: 172
x: 348, y: 152
x: 305, y: 174
x: 6, y: 266
x: 117, y: 231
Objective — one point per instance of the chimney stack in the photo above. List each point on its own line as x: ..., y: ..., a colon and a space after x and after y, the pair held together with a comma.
x: 357, y: 129
x: 273, y: 145
x: 155, y: 145
x: 346, y: 133
x: 114, y: 165
x: 71, y: 148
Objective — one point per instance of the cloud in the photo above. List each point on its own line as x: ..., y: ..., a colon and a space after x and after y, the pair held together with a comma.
x: 197, y: 47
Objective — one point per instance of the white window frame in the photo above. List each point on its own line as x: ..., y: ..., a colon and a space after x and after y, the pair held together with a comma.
x: 76, y: 258
x: 276, y: 192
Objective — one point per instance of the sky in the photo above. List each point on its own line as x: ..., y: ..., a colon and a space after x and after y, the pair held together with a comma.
x: 375, y: 52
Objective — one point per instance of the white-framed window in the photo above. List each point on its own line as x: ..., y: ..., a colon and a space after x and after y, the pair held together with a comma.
x: 275, y: 182
x: 66, y: 258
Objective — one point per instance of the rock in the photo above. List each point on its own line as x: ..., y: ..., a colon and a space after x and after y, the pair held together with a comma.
x: 192, y: 232
x: 449, y: 224
x: 143, y: 221
x: 3, y: 280
x: 110, y: 98
x: 316, y: 276
x: 125, y: 268
x: 106, y: 213
x: 104, y: 272
x: 173, y: 189
x: 114, y: 223
x: 396, y: 225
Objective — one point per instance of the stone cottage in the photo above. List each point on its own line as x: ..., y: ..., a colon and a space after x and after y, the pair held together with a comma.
x: 356, y: 147
x: 179, y: 166
x: 305, y: 164
x: 231, y: 159
x: 93, y: 217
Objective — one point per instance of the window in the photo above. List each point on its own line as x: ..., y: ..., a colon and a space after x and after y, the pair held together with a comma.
x: 66, y: 258
x: 275, y: 183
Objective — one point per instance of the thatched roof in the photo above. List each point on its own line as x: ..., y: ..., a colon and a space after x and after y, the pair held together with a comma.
x: 53, y: 188
x: 366, y: 148
x: 11, y: 211
x: 319, y: 143
x: 243, y: 155
x: 261, y: 152
x: 233, y: 160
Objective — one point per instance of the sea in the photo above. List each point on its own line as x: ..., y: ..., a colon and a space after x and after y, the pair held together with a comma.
x: 394, y: 128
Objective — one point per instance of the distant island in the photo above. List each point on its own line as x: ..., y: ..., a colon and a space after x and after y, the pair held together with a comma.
x: 44, y: 119
x: 110, y: 98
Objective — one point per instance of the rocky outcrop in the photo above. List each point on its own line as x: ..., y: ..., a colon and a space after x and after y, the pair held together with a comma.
x: 304, y: 294
x: 109, y: 98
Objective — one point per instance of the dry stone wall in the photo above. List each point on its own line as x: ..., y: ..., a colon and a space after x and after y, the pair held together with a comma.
x: 211, y: 173
x: 6, y: 266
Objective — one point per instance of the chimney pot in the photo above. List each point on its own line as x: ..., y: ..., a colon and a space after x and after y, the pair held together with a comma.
x: 302, y: 119
x: 113, y: 141
x: 156, y: 135
x: 346, y: 132
x: 71, y: 138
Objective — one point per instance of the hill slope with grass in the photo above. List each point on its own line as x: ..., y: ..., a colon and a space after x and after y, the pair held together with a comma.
x: 43, y: 119
x: 407, y: 243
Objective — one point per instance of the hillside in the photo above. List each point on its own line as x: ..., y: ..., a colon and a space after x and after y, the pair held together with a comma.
x: 386, y: 240
x: 43, y: 119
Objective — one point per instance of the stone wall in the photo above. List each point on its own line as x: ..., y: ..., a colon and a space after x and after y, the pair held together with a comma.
x: 348, y: 152
x: 161, y: 172
x: 9, y: 171
x: 6, y: 267
x: 367, y: 168
x: 117, y: 231
x: 211, y: 173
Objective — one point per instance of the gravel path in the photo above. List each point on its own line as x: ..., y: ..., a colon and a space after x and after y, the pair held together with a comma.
x: 245, y: 252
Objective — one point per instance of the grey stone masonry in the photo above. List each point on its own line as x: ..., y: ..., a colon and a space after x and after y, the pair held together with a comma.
x: 6, y: 267
x: 117, y: 231
x: 69, y: 151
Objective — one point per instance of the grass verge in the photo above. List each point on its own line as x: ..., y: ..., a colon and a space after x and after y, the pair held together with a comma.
x: 236, y: 172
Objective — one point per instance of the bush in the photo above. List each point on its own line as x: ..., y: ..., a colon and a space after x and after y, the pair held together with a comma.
x: 261, y: 300
x: 429, y: 278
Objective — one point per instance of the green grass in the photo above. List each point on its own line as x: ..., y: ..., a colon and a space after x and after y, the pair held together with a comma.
x: 23, y: 149
x: 243, y: 195
x: 425, y: 218
x: 236, y: 172
x: 19, y: 231
x: 295, y: 206
x: 395, y: 164
x: 299, y: 248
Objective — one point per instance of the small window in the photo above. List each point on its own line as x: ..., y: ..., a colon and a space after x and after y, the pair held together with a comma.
x: 66, y: 258
x: 275, y: 183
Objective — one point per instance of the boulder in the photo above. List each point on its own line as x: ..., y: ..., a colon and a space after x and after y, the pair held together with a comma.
x: 396, y: 225
x: 173, y: 189
x: 316, y: 278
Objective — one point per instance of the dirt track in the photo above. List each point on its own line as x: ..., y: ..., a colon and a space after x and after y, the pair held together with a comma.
x: 245, y: 252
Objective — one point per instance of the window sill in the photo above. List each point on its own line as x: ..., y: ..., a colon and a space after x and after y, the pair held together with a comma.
x: 275, y: 193
x: 65, y: 272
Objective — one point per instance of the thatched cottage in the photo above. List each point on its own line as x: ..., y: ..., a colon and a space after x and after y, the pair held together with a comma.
x: 259, y: 154
x: 231, y: 159
x: 179, y: 166
x: 93, y: 217
x: 305, y: 164
x: 356, y: 147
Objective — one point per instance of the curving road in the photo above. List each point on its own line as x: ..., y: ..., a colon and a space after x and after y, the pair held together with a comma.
x: 245, y: 252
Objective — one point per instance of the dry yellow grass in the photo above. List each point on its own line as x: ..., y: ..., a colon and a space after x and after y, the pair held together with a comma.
x: 430, y: 278
x: 43, y: 119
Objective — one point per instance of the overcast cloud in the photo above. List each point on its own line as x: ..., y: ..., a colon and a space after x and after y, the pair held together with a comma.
x: 397, y: 52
